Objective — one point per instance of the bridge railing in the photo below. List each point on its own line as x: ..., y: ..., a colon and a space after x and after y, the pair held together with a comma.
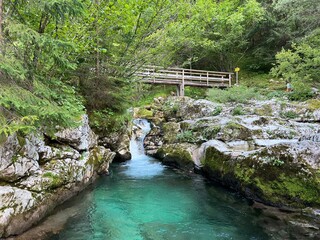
x: 188, y: 77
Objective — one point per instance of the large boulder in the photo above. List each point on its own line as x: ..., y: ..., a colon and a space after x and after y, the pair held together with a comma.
x: 280, y: 175
x: 81, y: 138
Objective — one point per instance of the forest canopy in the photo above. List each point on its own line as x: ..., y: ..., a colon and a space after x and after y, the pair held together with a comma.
x: 60, y: 58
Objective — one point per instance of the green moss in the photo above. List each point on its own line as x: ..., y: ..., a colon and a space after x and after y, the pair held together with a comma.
x: 3, y: 138
x: 55, y: 180
x: 265, y: 110
x: 277, y: 184
x: 170, y: 131
x: 176, y: 155
x: 95, y: 158
x: 313, y: 104
x: 235, y: 131
x: 21, y: 140
x: 144, y: 113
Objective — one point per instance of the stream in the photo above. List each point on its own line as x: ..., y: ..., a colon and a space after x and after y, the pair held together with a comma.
x: 143, y: 199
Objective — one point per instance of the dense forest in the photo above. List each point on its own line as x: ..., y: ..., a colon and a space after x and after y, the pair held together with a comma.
x: 60, y: 58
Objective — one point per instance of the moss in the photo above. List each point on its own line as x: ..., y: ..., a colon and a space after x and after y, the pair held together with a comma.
x: 3, y: 138
x: 55, y: 180
x: 95, y: 158
x: 170, y: 131
x: 235, y: 131
x: 21, y: 140
x: 176, y: 155
x: 144, y: 113
x: 264, y: 110
x: 276, y: 184
x: 313, y: 104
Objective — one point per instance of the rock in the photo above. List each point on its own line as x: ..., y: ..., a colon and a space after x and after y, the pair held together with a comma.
x: 270, y: 154
x: 170, y: 131
x: 120, y: 144
x: 36, y: 177
x: 49, y: 153
x: 19, y: 158
x: 81, y: 138
x: 178, y: 155
x: 14, y: 201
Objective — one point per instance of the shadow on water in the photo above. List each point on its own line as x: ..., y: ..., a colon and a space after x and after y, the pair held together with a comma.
x: 142, y: 199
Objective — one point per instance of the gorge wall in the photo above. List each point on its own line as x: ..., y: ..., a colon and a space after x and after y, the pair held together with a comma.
x: 38, y: 172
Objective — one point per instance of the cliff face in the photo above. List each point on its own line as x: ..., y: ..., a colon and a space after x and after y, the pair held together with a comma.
x: 38, y: 173
x: 267, y: 150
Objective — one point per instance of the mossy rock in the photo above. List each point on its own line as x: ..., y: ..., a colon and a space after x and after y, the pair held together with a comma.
x: 264, y: 110
x: 177, y: 155
x: 54, y: 180
x: 278, y: 183
x: 143, y: 113
x: 313, y: 104
x: 235, y: 131
x: 170, y: 131
x: 95, y: 158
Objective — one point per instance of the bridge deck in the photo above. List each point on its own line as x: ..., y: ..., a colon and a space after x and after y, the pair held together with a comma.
x: 185, y: 77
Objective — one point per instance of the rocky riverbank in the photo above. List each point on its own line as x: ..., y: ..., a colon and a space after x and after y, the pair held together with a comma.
x: 267, y: 150
x: 38, y: 172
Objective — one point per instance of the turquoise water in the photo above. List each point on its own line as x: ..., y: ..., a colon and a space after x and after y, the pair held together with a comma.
x: 142, y: 199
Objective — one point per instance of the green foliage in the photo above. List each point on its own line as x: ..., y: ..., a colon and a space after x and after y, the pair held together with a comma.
x: 217, y: 110
x: 289, y: 114
x: 298, y: 64
x: 53, y: 107
x: 238, y: 110
x: 186, y: 136
x: 240, y: 94
x: 107, y: 121
x: 301, y: 92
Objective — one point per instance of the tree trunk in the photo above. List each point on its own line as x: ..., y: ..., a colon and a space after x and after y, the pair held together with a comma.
x: 98, y: 42
x: 1, y: 20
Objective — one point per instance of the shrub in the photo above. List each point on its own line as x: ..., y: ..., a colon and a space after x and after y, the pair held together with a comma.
x: 186, y: 136
x: 217, y: 110
x: 240, y: 94
x: 289, y: 114
x: 238, y: 110
x: 301, y: 92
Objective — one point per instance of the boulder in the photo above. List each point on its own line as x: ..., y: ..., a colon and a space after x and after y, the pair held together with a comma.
x: 19, y: 157
x: 81, y: 138
x: 178, y: 155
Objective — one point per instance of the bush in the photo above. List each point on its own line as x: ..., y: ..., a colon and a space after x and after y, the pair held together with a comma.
x: 186, y: 136
x: 301, y: 92
x: 238, y: 110
x: 240, y: 94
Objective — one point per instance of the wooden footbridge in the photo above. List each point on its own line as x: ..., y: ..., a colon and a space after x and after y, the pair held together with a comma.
x: 184, y: 77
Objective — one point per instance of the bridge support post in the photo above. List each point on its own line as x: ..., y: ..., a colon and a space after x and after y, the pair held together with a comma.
x: 180, y: 90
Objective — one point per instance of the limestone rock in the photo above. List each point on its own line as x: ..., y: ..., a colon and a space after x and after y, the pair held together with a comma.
x: 81, y: 138
x: 179, y: 155
x: 19, y: 158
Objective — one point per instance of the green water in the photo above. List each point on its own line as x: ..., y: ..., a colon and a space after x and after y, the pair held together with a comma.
x: 142, y: 199
x: 162, y: 205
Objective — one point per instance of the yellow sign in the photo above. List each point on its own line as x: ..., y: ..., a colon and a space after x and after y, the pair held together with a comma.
x: 237, y: 69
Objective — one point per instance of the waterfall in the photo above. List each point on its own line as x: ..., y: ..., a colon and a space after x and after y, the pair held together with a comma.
x: 141, y: 165
x: 141, y: 127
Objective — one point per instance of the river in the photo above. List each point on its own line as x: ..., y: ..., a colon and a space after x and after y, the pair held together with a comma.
x: 143, y: 199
